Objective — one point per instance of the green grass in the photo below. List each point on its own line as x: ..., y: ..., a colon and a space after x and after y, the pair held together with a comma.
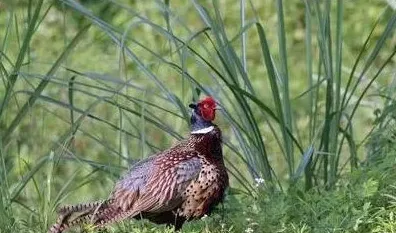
x: 89, y: 87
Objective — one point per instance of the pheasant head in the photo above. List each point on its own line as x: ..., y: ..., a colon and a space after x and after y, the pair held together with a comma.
x: 203, y: 114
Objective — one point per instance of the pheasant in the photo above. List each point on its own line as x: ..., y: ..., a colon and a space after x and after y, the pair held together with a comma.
x: 182, y: 183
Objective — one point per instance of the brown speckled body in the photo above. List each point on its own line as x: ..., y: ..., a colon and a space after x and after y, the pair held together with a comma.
x: 181, y: 183
x: 208, y: 189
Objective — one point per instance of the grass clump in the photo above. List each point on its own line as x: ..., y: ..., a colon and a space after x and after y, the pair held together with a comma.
x: 361, y: 202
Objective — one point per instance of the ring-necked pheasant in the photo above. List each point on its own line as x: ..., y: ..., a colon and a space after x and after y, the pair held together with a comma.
x: 182, y: 183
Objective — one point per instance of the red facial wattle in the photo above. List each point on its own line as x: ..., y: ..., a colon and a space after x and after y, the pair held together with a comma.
x: 208, y: 108
x: 208, y: 114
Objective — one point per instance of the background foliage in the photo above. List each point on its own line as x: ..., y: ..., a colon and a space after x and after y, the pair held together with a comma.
x: 89, y: 87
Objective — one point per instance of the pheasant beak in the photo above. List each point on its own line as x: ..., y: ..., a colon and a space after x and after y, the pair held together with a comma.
x: 193, y: 106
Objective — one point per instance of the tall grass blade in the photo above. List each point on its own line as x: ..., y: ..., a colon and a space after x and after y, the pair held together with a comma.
x: 284, y: 76
x: 275, y: 93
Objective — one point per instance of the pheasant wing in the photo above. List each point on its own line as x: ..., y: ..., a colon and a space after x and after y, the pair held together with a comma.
x: 157, y: 186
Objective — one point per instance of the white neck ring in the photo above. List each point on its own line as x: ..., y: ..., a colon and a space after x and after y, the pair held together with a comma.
x: 203, y: 131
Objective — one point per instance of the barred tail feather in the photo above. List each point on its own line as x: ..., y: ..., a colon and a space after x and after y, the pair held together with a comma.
x: 80, y: 207
x: 60, y: 224
x: 79, y: 214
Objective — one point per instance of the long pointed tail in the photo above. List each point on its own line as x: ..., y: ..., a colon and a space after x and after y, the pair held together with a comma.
x: 97, y: 213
